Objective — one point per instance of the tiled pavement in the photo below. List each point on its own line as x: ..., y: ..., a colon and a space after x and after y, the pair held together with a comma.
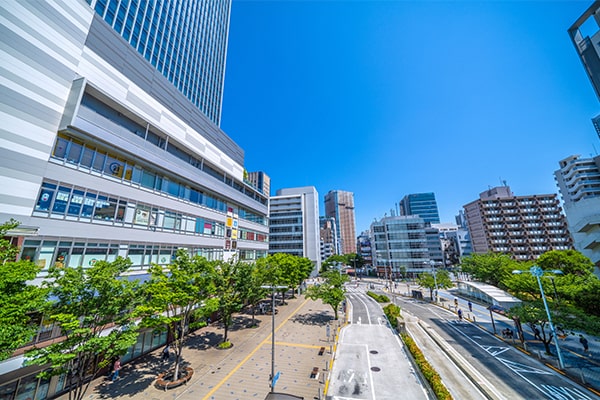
x: 241, y: 372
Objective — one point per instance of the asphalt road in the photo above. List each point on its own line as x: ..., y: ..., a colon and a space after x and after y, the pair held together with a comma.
x: 371, y: 363
x: 514, y: 375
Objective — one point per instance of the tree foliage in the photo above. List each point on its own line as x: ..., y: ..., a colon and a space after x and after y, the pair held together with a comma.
x: 230, y: 286
x: 442, y: 279
x: 19, y: 302
x: 93, y: 308
x: 331, y: 291
x: 179, y: 298
x: 492, y: 268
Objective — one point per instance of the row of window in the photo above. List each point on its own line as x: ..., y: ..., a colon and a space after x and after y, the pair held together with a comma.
x: 76, y: 152
x: 46, y: 253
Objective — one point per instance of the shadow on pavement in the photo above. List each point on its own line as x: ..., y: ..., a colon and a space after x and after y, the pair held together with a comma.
x: 313, y: 318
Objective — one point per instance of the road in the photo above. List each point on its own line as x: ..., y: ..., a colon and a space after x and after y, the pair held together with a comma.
x: 371, y: 363
x: 513, y: 374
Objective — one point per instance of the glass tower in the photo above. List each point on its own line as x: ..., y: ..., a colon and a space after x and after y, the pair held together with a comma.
x: 185, y: 40
x: 421, y: 204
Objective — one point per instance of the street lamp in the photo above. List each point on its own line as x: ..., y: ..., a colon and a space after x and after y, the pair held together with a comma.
x: 273, y: 288
x: 538, y: 272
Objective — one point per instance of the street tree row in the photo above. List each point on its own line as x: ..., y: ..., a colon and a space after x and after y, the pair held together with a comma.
x: 99, y: 311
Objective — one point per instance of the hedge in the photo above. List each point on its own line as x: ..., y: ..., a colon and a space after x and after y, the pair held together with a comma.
x: 380, y: 298
x: 427, y: 370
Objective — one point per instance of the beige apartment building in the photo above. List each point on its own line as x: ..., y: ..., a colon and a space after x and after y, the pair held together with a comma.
x: 523, y: 226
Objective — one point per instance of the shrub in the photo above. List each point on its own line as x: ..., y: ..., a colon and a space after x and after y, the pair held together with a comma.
x: 432, y: 377
x: 392, y: 312
x: 380, y: 298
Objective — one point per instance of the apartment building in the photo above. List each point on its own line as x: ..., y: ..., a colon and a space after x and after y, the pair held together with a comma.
x: 578, y: 181
x: 523, y: 226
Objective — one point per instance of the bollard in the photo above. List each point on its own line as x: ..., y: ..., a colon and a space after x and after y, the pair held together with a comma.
x: 474, y: 319
x: 325, y: 369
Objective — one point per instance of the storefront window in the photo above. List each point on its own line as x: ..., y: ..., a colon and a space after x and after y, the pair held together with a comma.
x: 105, y: 208
x: 92, y: 256
x: 76, y: 202
x: 87, y: 209
x: 27, y: 386
x: 76, y: 257
x: 142, y: 215
x: 62, y: 198
x: 45, y: 198
x: 46, y: 257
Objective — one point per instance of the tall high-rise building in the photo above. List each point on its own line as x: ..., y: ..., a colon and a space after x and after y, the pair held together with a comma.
x: 523, y: 226
x: 103, y: 156
x: 588, y: 48
x: 422, y: 204
x: 184, y: 40
x: 365, y: 250
x: 578, y: 181
x: 340, y: 205
x: 294, y: 223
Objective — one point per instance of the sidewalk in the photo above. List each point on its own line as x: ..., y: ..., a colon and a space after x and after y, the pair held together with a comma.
x: 241, y: 372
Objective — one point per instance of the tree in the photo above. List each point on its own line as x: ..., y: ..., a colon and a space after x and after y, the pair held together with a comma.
x: 442, y: 278
x: 570, y: 262
x: 331, y: 291
x: 332, y: 262
x: 18, y: 300
x: 93, y: 308
x: 534, y: 315
x: 492, y: 268
x: 176, y: 299
x: 251, y: 290
x: 229, y: 288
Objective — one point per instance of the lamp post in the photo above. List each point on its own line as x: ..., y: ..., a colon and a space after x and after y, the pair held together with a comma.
x: 538, y: 272
x: 273, y: 288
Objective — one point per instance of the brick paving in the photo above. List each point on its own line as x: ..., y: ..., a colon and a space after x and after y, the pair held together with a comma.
x: 241, y: 372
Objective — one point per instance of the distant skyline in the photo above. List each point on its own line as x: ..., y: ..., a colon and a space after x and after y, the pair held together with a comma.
x: 388, y: 98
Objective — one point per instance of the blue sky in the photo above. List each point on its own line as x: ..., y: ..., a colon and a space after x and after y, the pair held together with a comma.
x: 387, y: 98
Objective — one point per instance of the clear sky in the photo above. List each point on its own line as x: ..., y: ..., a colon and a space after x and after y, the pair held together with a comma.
x: 387, y: 98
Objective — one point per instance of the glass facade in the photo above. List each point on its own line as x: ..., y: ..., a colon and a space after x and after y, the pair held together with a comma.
x: 422, y: 204
x: 185, y: 40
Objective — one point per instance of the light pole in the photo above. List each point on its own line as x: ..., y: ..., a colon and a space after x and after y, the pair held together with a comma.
x: 538, y: 272
x: 273, y: 288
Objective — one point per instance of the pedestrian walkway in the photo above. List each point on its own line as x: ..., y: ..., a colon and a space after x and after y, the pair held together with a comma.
x: 241, y: 372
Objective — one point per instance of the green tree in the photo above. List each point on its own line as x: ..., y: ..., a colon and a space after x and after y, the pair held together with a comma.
x: 333, y: 262
x: 93, y: 308
x: 534, y: 315
x: 179, y: 298
x: 253, y: 278
x: 331, y: 291
x: 442, y: 278
x: 570, y: 262
x: 19, y: 302
x: 492, y: 268
x: 229, y: 288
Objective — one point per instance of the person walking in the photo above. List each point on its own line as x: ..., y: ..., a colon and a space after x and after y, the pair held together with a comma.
x: 116, y: 369
x: 470, y: 306
x: 459, y: 314
x: 166, y: 353
x: 584, y: 343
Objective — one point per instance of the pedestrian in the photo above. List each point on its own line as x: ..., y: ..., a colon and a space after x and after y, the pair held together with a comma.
x: 459, y: 314
x: 166, y: 353
x: 584, y: 343
x: 455, y: 302
x: 470, y: 306
x: 116, y: 369
x: 536, y: 333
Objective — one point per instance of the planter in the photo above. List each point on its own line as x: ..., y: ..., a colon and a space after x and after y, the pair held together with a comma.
x: 165, y: 382
x: 221, y: 347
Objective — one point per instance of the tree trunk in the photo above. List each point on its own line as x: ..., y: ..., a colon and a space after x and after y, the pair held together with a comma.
x: 226, y: 328
x: 177, y: 362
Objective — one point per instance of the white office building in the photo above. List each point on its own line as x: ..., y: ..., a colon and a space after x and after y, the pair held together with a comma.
x: 294, y: 223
